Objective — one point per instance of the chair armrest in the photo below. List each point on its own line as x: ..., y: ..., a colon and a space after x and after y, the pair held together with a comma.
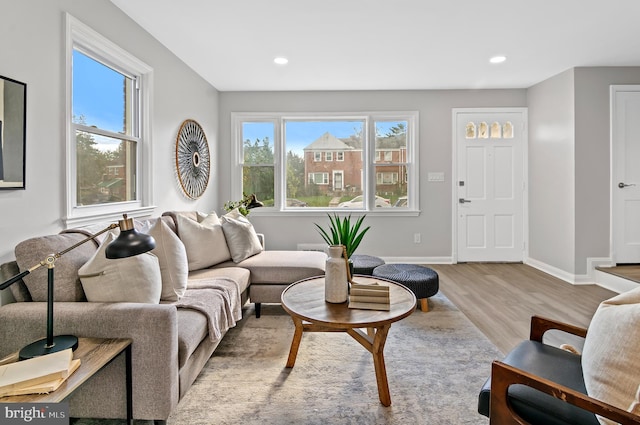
x: 504, y: 375
x: 540, y: 325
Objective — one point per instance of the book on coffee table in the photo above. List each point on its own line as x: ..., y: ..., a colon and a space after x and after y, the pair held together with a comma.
x: 369, y: 297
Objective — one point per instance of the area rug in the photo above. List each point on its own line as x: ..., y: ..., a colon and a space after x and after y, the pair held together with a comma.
x: 436, y: 364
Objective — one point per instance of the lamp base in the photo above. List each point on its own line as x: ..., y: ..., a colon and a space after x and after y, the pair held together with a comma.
x: 39, y: 348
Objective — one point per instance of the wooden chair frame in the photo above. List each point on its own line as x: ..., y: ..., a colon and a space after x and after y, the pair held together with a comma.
x: 503, y: 376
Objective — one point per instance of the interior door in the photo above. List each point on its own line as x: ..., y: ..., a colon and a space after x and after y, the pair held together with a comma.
x: 490, y: 185
x: 625, y: 190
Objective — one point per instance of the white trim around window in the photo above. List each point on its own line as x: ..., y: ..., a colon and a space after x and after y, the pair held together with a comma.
x: 369, y: 156
x: 80, y: 36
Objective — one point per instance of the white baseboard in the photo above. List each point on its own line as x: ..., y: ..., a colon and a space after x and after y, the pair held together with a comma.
x: 614, y: 283
x: 559, y: 273
x: 418, y: 260
x: 605, y: 280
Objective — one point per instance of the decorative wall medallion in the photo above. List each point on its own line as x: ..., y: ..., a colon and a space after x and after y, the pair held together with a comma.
x: 192, y: 159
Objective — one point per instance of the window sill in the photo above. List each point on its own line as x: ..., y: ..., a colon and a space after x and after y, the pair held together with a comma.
x: 316, y: 212
x: 111, y: 216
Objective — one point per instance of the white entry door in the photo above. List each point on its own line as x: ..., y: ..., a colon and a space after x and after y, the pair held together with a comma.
x: 625, y: 190
x: 490, y: 184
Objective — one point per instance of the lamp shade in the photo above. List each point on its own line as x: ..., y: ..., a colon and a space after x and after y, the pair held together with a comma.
x: 130, y: 242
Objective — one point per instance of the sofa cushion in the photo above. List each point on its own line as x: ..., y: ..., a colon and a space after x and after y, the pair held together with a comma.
x: 67, y: 284
x: 237, y: 274
x: 204, y: 241
x: 134, y: 279
x: 241, y: 237
x: 172, y: 257
x: 611, y: 352
x: 192, y: 329
x: 282, y: 267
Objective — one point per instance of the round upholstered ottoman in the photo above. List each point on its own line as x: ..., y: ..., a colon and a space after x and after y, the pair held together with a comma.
x: 364, y: 264
x: 422, y: 281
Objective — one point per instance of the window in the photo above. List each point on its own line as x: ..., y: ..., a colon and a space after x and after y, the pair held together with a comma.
x: 306, y: 160
x: 258, y: 171
x: 319, y: 178
x: 387, y: 178
x: 107, y: 143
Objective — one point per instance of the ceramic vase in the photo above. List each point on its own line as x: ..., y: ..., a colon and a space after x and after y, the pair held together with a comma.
x: 335, y: 276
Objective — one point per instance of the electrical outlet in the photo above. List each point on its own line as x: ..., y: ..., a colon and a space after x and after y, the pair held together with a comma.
x: 416, y: 238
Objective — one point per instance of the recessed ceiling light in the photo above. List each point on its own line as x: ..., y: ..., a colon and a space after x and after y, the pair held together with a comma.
x: 498, y: 59
x: 281, y: 60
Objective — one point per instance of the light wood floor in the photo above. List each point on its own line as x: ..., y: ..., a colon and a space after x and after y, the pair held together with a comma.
x: 500, y: 299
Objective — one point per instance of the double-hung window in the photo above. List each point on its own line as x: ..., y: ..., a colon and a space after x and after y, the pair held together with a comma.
x: 108, y: 128
x: 360, y: 161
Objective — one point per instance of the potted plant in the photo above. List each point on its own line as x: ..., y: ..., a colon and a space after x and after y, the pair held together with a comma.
x: 342, y: 231
x: 244, y: 205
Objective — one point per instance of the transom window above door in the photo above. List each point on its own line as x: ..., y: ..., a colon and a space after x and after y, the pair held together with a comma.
x: 495, y: 130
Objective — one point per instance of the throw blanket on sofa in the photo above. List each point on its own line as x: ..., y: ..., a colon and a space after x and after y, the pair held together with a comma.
x: 218, y: 299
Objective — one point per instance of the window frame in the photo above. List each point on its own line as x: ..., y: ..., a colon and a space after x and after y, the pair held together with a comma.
x: 81, y: 37
x: 369, y: 158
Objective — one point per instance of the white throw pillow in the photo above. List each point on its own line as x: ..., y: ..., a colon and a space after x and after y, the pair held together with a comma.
x: 241, y: 237
x: 611, y: 353
x: 134, y: 279
x: 172, y: 257
x: 205, y: 242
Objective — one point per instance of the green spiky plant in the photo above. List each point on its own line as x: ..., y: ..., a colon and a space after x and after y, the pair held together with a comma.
x: 344, y: 232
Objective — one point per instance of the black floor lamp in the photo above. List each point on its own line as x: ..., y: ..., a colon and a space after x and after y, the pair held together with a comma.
x: 127, y: 244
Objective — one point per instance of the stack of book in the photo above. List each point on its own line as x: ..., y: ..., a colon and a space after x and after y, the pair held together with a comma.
x: 369, y: 296
x: 39, y: 375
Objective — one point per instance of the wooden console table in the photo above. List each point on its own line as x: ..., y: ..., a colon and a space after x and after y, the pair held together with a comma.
x: 94, y: 355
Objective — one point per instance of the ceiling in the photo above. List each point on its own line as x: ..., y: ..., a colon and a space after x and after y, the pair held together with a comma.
x: 385, y: 44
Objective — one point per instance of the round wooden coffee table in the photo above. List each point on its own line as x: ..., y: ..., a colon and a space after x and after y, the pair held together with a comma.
x: 304, y: 301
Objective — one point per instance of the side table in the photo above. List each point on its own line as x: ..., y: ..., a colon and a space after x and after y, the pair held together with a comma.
x: 94, y: 355
x: 304, y: 301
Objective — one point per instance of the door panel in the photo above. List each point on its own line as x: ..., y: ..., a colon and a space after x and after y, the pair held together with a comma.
x: 625, y: 171
x: 489, y: 187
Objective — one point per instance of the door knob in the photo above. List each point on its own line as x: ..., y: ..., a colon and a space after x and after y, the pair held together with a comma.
x: 462, y: 200
x: 623, y: 185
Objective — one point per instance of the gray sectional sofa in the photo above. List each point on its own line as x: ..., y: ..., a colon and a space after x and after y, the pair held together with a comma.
x: 172, y: 341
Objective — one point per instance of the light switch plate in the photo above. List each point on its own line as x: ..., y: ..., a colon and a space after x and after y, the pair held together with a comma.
x: 436, y: 176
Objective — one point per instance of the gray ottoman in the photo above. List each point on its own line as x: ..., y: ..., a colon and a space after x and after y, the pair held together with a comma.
x: 422, y: 281
x: 364, y: 264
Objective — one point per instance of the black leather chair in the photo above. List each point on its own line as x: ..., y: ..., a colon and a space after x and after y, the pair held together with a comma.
x: 540, y: 384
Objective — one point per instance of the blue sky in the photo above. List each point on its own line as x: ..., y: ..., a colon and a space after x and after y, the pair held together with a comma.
x: 98, y: 95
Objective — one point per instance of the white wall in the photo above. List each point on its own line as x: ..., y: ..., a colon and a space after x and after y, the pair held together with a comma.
x: 592, y: 130
x: 552, y: 172
x: 569, y: 168
x: 32, y: 52
x: 389, y: 236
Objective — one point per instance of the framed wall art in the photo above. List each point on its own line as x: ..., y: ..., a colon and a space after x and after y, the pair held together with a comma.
x: 13, y: 125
